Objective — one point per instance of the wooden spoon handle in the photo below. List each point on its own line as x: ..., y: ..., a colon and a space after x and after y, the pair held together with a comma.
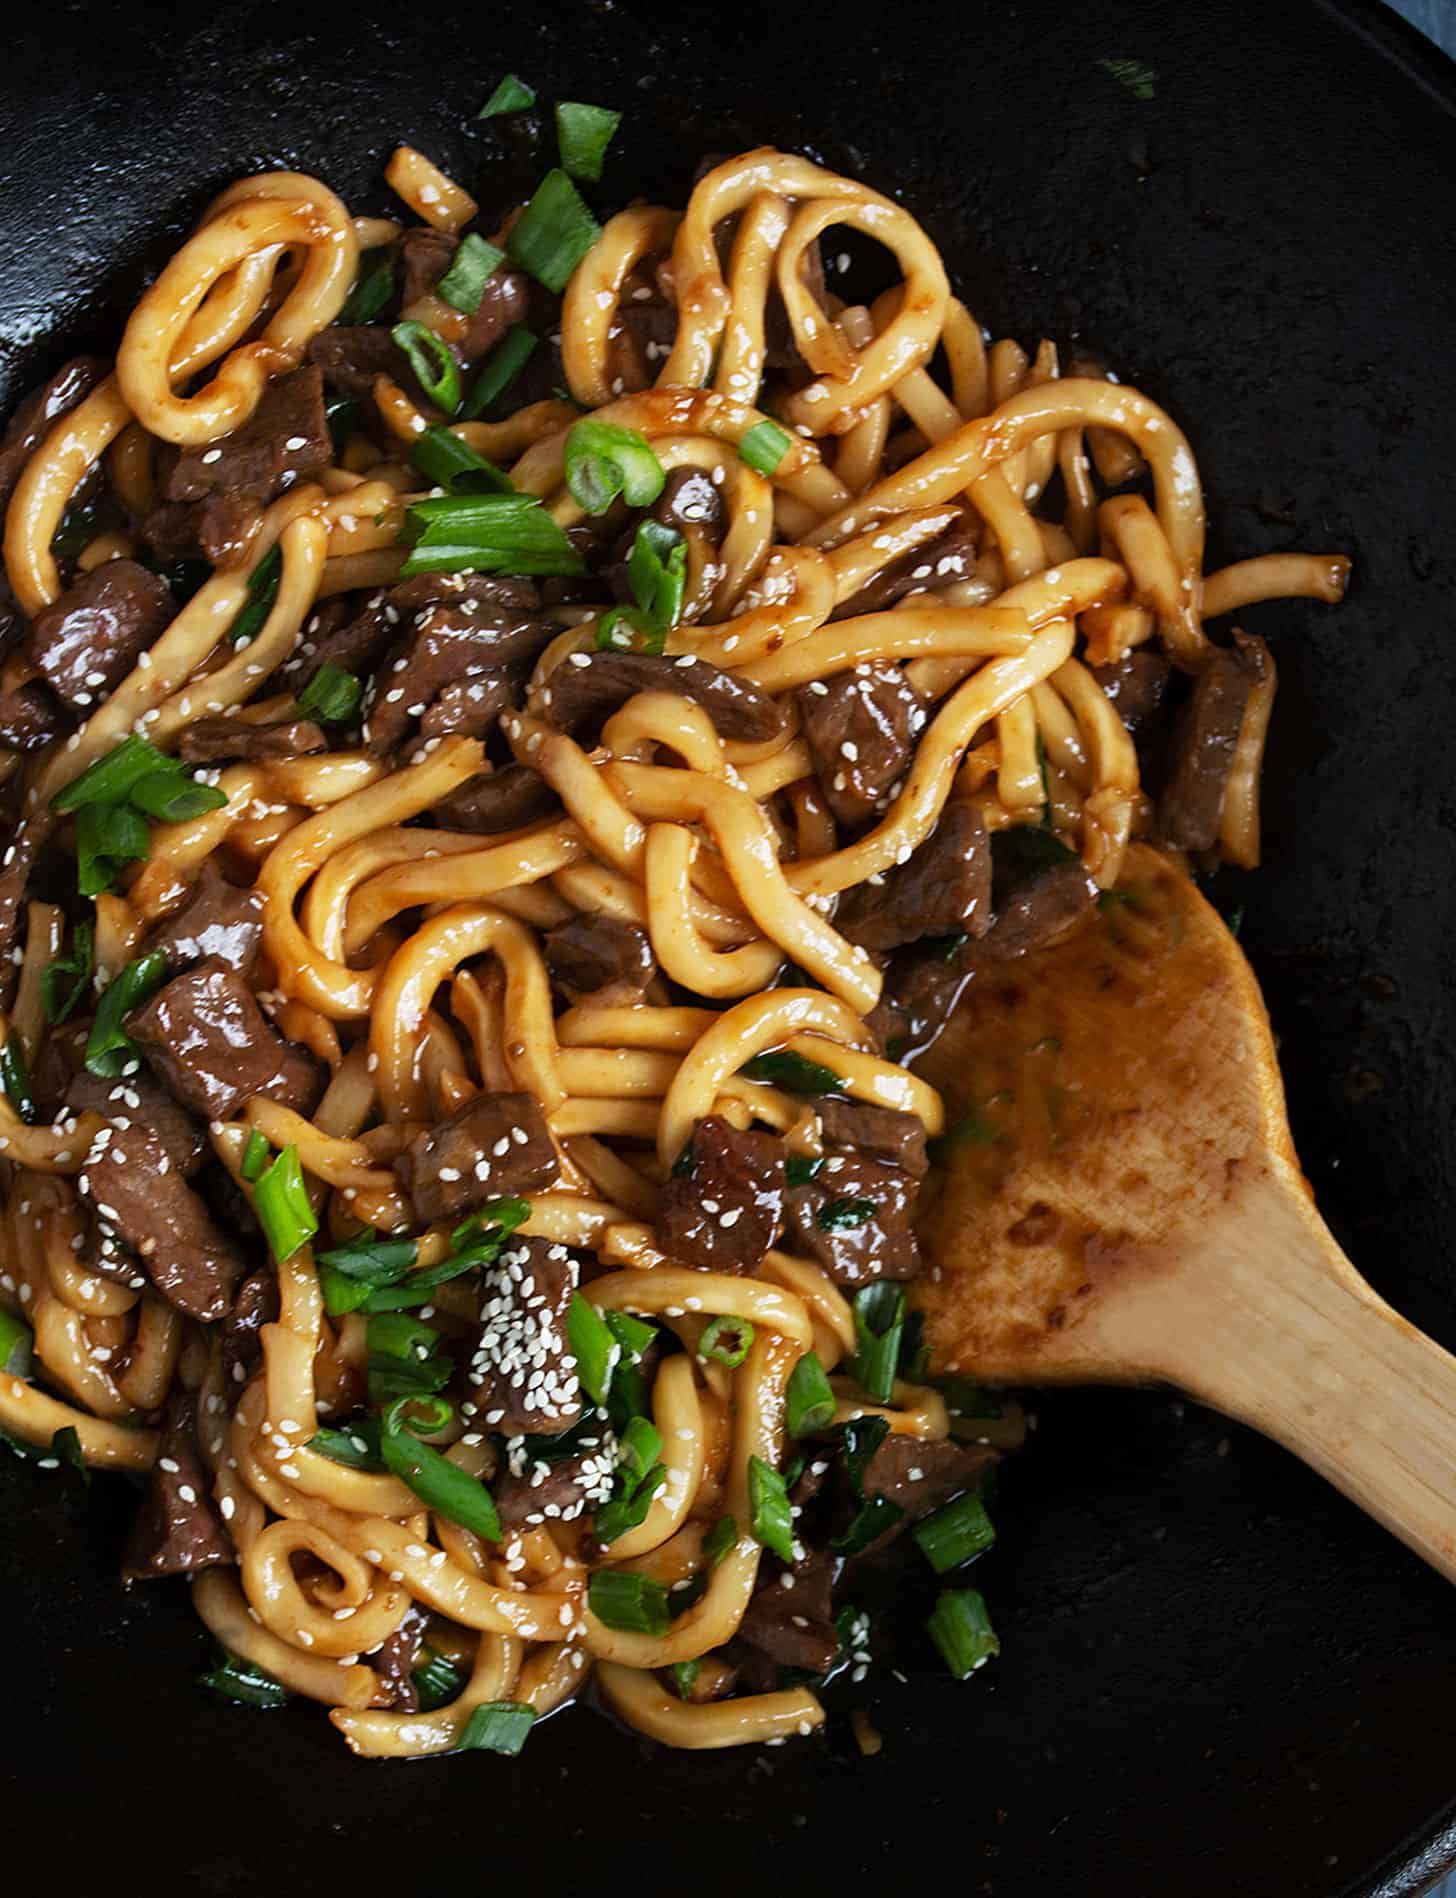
x: 1275, y: 1326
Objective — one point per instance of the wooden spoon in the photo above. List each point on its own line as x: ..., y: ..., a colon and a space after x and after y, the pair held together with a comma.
x: 1121, y: 1203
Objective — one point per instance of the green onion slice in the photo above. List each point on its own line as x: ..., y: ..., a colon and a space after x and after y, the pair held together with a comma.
x: 15, y: 1077
x: 496, y: 1726
x: 635, y: 1335
x: 281, y: 1202
x: 879, y: 1323
x: 719, y: 1540
x: 262, y: 591
x: 64, y: 981
x: 961, y: 1628
x: 511, y: 95
x: 793, y: 1072
x: 844, y: 1215
x: 437, y: 1680
x: 800, y: 1168
x: 499, y: 370
x: 453, y: 465
x: 331, y: 696
x: 373, y: 287
x: 726, y: 1341
x: 108, y: 836
x: 592, y: 1345
x: 111, y: 779
x: 764, y: 447
x: 436, y: 370
x: 772, y: 1517
x: 355, y: 1445
x: 172, y: 797
x: 685, y: 1677
x: 657, y: 571
x: 554, y: 232
x: 604, y: 461
x: 110, y: 1050
x: 471, y: 268
x: 237, y: 1679
x: 16, y: 1346
x: 629, y: 1509
x: 405, y: 1359
x: 808, y: 1400
x: 628, y: 1603
x: 439, y: 1483
x: 956, y: 1533
x: 487, y: 533
x: 583, y: 133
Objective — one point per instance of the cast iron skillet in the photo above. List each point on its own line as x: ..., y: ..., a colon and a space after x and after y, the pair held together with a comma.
x: 1217, y: 1677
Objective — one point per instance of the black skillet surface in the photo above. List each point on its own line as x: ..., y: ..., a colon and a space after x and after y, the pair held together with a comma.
x: 1217, y: 1676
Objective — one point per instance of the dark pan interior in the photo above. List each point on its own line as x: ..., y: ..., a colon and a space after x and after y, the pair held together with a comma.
x: 1217, y: 1677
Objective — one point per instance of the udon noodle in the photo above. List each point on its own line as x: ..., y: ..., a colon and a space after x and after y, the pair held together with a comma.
x: 561, y: 974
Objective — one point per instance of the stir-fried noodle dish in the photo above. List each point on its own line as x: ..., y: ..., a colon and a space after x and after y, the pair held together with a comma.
x: 515, y: 730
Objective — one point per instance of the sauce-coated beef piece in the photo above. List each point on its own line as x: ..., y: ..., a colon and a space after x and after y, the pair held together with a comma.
x: 550, y: 1492
x: 880, y: 1133
x: 17, y: 864
x: 40, y: 411
x: 587, y: 688
x: 861, y: 728
x: 494, y: 1147
x: 493, y: 801
x: 920, y: 1474
x: 255, y: 1304
x: 140, y: 1198
x: 223, y: 738
x: 1137, y: 684
x: 178, y: 1528
x: 136, y: 1097
x: 351, y: 358
x: 394, y: 1662
x: 853, y: 1217
x: 285, y: 438
x: 30, y: 718
x: 943, y: 889
x: 790, y: 1616
x: 949, y: 558
x: 1202, y: 742
x: 219, y: 920
x: 504, y: 301
x: 210, y: 1045
x: 723, y: 1205
x: 522, y: 1368
x: 600, y: 957
x: 87, y: 643
x: 465, y: 662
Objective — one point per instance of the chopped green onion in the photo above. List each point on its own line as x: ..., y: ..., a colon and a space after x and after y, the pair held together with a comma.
x: 64, y: 981
x: 373, y: 287
x: 111, y: 779
x: 879, y: 1322
x: 628, y: 1603
x: 956, y: 1533
x: 960, y: 1627
x: 1234, y: 919
x: 800, y: 1168
x: 107, y: 837
x: 499, y: 370
x: 453, y: 465
x: 255, y: 1158
x: 437, y: 1680
x: 1132, y: 74
x: 638, y: 1450
x: 262, y: 591
x: 356, y: 1445
x: 331, y: 696
x: 16, y: 1342
x: 965, y: 1397
x: 873, y: 1517
x: 657, y: 571
x: 603, y: 461
x: 685, y: 1677
x: 592, y: 1345
x: 628, y: 1510
x: 764, y: 447
x: 237, y: 1679
x: 436, y: 370
x: 351, y: 1272
x: 15, y: 1078
x: 109, y: 1048
x: 625, y: 629
x: 725, y: 1341
x: 496, y: 1726
x: 719, y: 1540
x: 341, y: 412
x: 772, y: 1517
x: 843, y: 1215
x: 511, y: 95
x: 404, y: 1358
x: 554, y: 232
x: 491, y: 1226
x: 439, y: 1483
x: 471, y: 268
x: 281, y: 1202
x: 583, y: 133
x: 628, y: 1397
x: 635, y: 1336
x: 487, y: 533
x: 914, y: 1364
x: 793, y: 1072
x: 172, y: 797
x: 808, y: 1400
x: 862, y: 1438
x: 66, y: 1448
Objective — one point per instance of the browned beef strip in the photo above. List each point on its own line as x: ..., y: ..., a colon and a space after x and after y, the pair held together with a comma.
x: 466, y: 660
x: 222, y: 738
x: 218, y: 920
x: 88, y: 642
x: 40, y: 411
x: 350, y: 359
x: 943, y: 889
x: 361, y: 641
x: 945, y: 1468
x: 868, y: 1207
x: 950, y: 557
x: 543, y: 1492
x: 493, y: 1147
x: 692, y: 503
x: 790, y: 1616
x: 224, y: 526
x: 920, y: 989
x: 522, y: 1369
x: 1137, y: 686
x: 589, y: 687
x: 723, y: 1206
x: 255, y: 1305
x: 860, y: 728
x: 599, y: 956
x: 285, y: 438
x: 426, y: 256
x: 1201, y: 747
x: 210, y: 1045
x: 641, y: 340
x: 394, y: 1662
x: 1040, y: 910
x: 178, y: 1529
x: 137, y: 1098
x: 493, y: 801
x: 28, y: 839
x: 879, y: 1132
x: 139, y: 1197
x: 30, y: 718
